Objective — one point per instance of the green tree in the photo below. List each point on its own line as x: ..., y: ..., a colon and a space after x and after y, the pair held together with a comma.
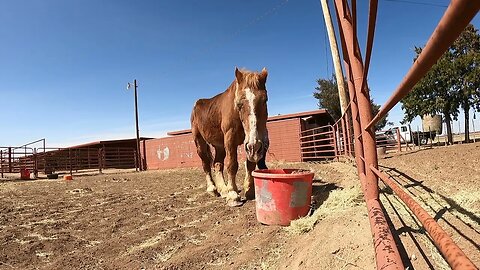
x: 453, y: 82
x: 434, y: 93
x: 466, y: 52
x: 327, y: 94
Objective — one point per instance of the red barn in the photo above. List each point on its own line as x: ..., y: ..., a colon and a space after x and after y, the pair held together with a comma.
x: 178, y: 150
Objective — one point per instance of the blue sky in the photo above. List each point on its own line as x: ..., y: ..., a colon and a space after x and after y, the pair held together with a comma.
x: 65, y: 64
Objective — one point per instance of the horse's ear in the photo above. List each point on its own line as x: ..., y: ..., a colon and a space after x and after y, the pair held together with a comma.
x: 238, y: 75
x: 264, y: 74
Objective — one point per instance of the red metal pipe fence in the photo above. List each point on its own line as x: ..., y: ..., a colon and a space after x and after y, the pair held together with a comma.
x: 65, y: 160
x: 353, y: 135
x: 453, y: 254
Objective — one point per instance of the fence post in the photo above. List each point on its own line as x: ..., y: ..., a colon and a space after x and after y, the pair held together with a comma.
x: 35, y: 162
x: 335, y: 149
x: 418, y: 138
x: 10, y: 159
x: 343, y: 136
x: 430, y: 135
x: 136, y: 159
x: 70, y: 159
x: 100, y: 160
x: 399, y: 145
x: 1, y: 161
x: 387, y: 255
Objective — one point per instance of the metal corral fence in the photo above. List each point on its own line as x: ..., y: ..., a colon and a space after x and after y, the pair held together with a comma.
x: 337, y: 140
x: 353, y: 135
x: 51, y: 160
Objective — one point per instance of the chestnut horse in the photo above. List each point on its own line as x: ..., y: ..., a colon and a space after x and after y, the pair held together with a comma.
x: 225, y: 121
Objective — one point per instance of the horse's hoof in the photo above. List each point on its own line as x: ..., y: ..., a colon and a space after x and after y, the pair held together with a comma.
x: 213, y: 191
x: 234, y: 203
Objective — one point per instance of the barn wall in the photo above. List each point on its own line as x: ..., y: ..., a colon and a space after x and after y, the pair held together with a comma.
x: 284, y: 138
x: 179, y: 151
x: 171, y: 152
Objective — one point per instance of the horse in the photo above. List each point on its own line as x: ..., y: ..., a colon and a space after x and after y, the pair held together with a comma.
x: 225, y: 121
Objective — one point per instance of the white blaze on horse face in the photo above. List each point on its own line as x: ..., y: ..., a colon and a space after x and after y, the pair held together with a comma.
x: 252, y: 118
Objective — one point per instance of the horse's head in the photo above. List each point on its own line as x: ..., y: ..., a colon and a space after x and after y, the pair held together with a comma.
x: 251, y: 104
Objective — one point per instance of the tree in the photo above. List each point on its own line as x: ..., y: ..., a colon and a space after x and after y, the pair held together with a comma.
x: 327, y: 94
x: 466, y: 52
x: 434, y: 93
x: 452, y: 82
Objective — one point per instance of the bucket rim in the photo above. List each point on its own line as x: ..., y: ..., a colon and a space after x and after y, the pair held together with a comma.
x: 282, y: 173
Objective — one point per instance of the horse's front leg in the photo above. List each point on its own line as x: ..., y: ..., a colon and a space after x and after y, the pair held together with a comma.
x: 231, y: 166
x: 248, y: 186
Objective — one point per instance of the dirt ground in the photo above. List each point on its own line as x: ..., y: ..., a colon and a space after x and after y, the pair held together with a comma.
x: 166, y: 220
x: 445, y: 181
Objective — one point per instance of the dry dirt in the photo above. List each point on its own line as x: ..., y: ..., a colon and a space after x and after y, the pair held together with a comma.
x: 166, y: 220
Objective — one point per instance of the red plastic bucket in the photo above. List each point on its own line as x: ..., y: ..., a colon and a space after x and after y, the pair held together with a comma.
x: 282, y: 195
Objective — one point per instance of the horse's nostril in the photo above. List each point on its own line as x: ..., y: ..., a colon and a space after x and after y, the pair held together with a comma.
x: 258, y: 147
x: 248, y: 148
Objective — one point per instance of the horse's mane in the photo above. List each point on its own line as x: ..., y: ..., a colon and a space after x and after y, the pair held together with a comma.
x: 251, y: 78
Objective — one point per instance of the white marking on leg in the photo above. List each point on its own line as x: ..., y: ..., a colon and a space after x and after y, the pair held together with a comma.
x: 232, y: 196
x: 210, y: 186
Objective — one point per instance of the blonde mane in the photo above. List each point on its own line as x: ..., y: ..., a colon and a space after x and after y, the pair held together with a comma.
x: 251, y: 78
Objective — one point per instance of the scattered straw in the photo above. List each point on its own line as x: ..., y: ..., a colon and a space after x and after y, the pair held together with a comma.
x: 337, y: 202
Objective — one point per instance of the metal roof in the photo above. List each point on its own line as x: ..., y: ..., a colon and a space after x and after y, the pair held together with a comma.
x: 270, y: 119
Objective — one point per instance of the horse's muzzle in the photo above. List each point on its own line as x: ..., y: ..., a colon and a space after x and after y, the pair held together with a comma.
x: 254, y: 151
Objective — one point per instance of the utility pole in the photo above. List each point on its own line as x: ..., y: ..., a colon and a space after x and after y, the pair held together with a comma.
x: 335, y: 56
x: 139, y: 162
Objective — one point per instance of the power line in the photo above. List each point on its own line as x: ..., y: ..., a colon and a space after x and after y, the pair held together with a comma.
x: 418, y: 3
x: 225, y: 39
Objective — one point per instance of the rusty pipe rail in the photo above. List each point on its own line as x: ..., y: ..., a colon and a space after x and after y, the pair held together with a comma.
x: 457, y: 16
x: 450, y: 251
x: 372, y: 18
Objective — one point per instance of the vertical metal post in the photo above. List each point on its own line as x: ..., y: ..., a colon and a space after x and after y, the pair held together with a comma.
x: 136, y: 160
x: 136, y: 124
x: 99, y: 160
x: 335, y: 142
x: 1, y: 161
x: 363, y: 101
x: 344, y: 136
x: 418, y: 138
x: 430, y: 135
x: 347, y: 123
x: 342, y: 93
x: 399, y: 141
x: 387, y: 255
x: 88, y: 158
x: 10, y: 159
x: 144, y: 156
x: 70, y: 160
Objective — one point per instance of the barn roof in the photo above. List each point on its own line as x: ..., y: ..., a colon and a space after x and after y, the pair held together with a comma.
x: 100, y: 143
x: 319, y: 113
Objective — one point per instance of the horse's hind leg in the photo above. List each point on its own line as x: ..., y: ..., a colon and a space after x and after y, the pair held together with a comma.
x: 205, y: 155
x: 218, y: 165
